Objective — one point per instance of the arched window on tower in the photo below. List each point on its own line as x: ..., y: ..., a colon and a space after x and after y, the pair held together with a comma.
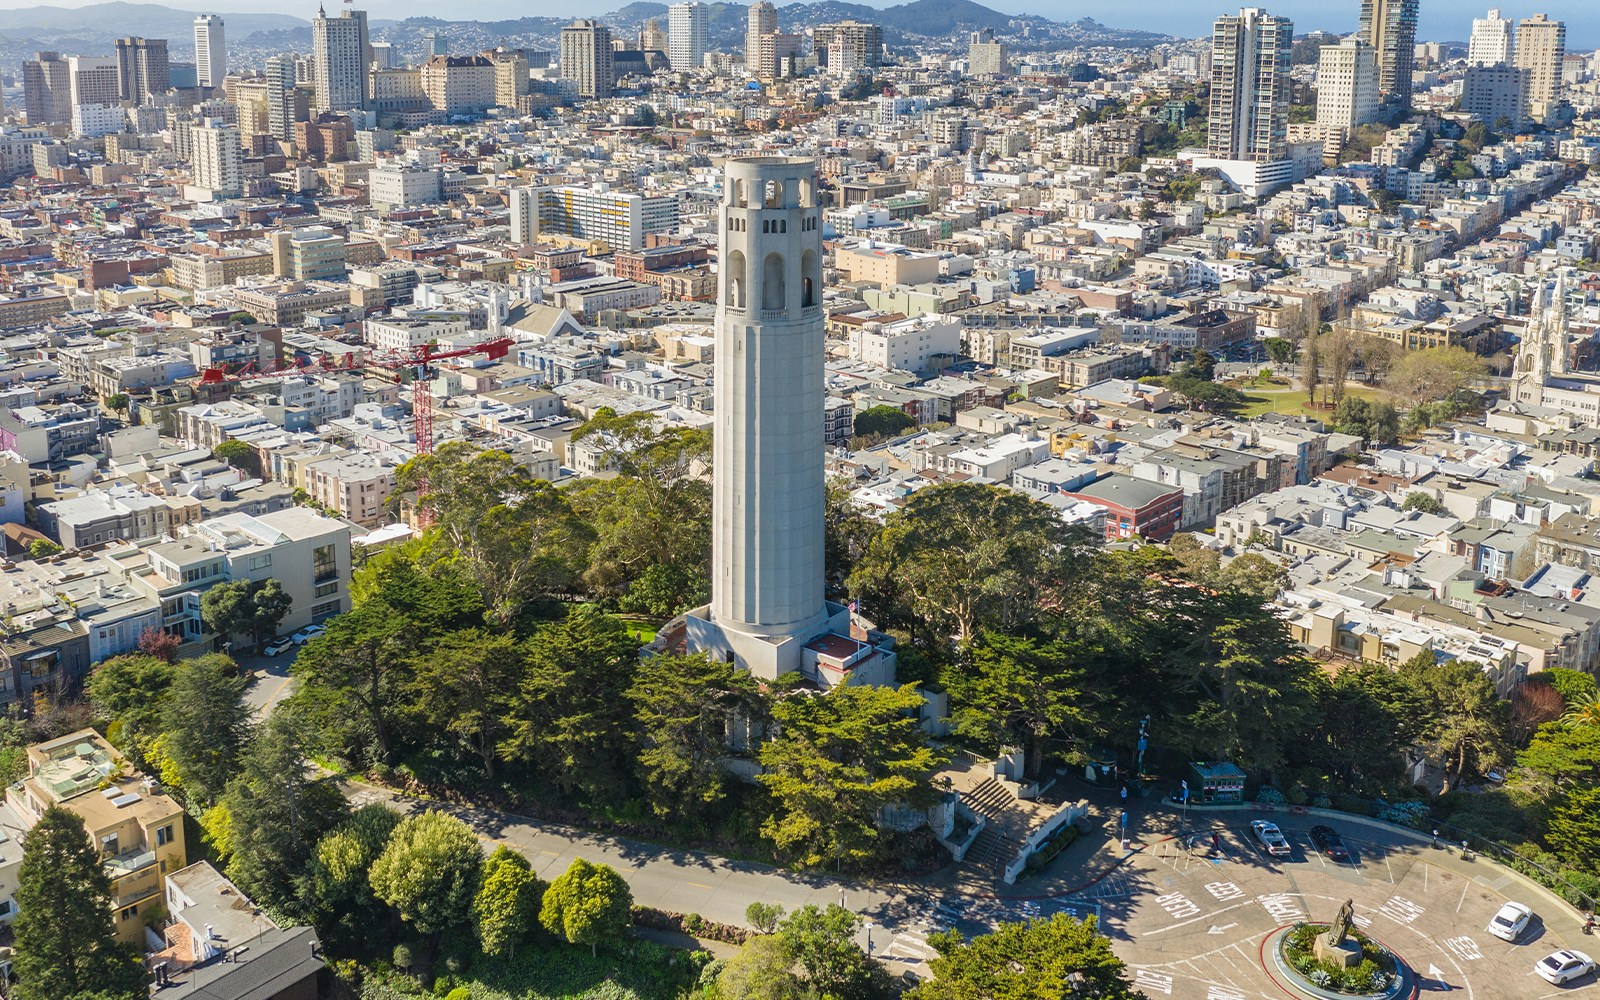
x: 736, y: 276
x: 774, y: 197
x: 772, y: 292
x: 810, y: 278
x: 738, y: 193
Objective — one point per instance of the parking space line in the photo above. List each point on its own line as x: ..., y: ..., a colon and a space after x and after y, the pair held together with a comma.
x: 1463, y: 898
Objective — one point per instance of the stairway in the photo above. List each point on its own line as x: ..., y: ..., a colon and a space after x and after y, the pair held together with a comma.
x: 988, y: 799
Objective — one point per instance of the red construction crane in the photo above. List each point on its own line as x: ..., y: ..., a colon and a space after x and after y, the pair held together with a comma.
x: 417, y: 360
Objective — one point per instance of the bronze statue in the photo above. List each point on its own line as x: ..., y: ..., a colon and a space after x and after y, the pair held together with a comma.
x: 1341, y: 923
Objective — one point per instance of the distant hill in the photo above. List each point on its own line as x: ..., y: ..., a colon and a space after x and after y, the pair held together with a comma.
x: 116, y: 19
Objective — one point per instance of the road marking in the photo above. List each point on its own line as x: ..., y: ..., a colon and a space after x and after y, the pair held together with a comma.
x: 1220, y: 929
x: 1401, y: 910
x: 1224, y: 890
x: 1281, y: 907
x: 1360, y: 921
x: 1463, y: 898
x: 1178, y: 905
x: 1464, y: 948
x: 699, y: 885
x: 1185, y: 923
x: 1149, y: 979
x: 1223, y: 993
x: 1435, y: 973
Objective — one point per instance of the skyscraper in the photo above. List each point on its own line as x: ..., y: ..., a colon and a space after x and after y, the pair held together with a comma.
x: 280, y: 97
x: 93, y: 80
x: 854, y: 43
x: 142, y: 69
x: 762, y: 20
x: 1541, y: 46
x: 47, y: 88
x: 524, y: 215
x: 1390, y: 27
x: 1347, y: 85
x: 985, y: 56
x: 210, y: 51
x: 1249, y: 117
x: 586, y: 57
x: 1491, y: 40
x: 686, y: 35
x: 339, y: 49
x: 768, y: 613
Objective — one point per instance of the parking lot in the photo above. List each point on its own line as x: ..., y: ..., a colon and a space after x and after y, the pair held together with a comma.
x: 1191, y: 922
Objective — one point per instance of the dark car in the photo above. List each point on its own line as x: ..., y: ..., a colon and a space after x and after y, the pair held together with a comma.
x: 1329, y: 843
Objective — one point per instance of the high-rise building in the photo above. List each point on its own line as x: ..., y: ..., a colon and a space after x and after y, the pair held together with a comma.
x: 511, y: 80
x: 93, y: 80
x: 47, y: 88
x: 1347, y: 85
x: 315, y: 253
x: 985, y: 56
x: 768, y: 613
x: 854, y: 41
x: 280, y: 97
x: 1491, y: 40
x: 218, y: 158
x: 651, y: 37
x: 586, y: 58
x: 459, y: 84
x: 1249, y: 118
x: 1496, y: 93
x: 210, y: 51
x: 1390, y: 27
x: 434, y: 44
x: 524, y: 215
x: 1541, y: 46
x: 142, y: 70
x: 686, y: 35
x: 619, y: 219
x: 339, y: 57
x: 762, y: 19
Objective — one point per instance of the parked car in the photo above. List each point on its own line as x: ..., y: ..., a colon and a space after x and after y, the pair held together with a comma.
x: 1564, y: 966
x: 306, y: 634
x: 1271, y: 838
x: 1510, y: 922
x: 281, y: 644
x: 1329, y: 843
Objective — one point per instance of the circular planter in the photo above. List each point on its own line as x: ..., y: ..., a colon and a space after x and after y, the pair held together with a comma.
x: 1402, y: 984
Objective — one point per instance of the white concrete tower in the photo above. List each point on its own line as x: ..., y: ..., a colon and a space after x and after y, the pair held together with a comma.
x: 768, y: 478
x: 210, y: 51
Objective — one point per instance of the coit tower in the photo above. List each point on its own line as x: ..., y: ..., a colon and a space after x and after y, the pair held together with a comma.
x: 767, y: 484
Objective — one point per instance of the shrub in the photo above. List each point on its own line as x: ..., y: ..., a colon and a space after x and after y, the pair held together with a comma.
x: 402, y: 957
x: 1411, y: 814
x: 1269, y: 795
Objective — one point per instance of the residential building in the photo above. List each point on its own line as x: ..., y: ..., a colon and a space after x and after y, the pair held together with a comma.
x: 761, y: 19
x: 95, y: 80
x: 311, y: 254
x: 1491, y: 41
x: 1347, y: 86
x: 397, y: 184
x: 47, y: 89
x: 586, y: 58
x: 353, y: 486
x: 281, y: 93
x: 985, y: 56
x: 121, y: 513
x: 137, y: 828
x: 218, y: 159
x: 1495, y: 93
x: 686, y: 35
x: 1135, y: 508
x: 459, y: 85
x: 912, y: 345
x: 1390, y: 27
x: 339, y: 59
x: 1541, y: 47
x: 619, y: 219
x: 210, y: 51
x: 1249, y: 117
x: 524, y: 205
x: 221, y: 946
x: 848, y: 45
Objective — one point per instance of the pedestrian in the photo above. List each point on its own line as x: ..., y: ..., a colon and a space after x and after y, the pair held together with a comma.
x: 1216, y: 844
x: 1124, y: 796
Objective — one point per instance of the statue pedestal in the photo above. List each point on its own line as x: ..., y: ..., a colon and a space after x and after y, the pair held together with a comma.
x: 1345, y: 955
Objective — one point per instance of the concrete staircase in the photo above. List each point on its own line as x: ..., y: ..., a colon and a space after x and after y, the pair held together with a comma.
x: 996, y: 844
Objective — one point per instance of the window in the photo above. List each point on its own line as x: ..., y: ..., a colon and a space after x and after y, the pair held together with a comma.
x: 110, y: 845
x: 128, y: 913
x: 7, y: 908
x: 324, y: 589
x: 324, y: 564
x: 164, y: 835
x: 319, y: 611
x: 261, y: 561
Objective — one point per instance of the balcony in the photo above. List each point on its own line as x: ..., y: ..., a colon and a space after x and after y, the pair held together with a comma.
x: 129, y: 863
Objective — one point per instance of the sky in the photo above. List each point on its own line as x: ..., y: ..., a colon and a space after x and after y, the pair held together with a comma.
x: 1442, y: 20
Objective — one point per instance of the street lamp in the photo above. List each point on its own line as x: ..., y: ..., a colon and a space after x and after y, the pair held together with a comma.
x: 1124, y: 821
x: 1144, y: 742
x: 870, y: 926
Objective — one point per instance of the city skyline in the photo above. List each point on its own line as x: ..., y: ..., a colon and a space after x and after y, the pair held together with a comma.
x: 1440, y: 20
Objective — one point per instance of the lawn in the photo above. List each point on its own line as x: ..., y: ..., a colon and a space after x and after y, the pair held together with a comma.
x: 1293, y: 401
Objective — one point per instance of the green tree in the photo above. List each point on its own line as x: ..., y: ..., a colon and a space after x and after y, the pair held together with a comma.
x: 879, y: 422
x: 683, y: 706
x: 117, y: 402
x: 65, y: 946
x: 1366, y: 718
x: 1255, y: 574
x: 1574, y: 685
x: 1375, y: 422
x: 43, y: 548
x: 240, y: 455
x: 1426, y: 503
x: 206, y: 724
x: 1202, y: 366
x: 835, y: 762
x: 761, y: 970
x: 1574, y: 831
x: 1017, y: 690
x: 1026, y: 961
x: 507, y: 904
x: 763, y: 917
x: 463, y: 682
x: 1434, y: 374
x: 566, y: 719
x: 1469, y: 730
x: 277, y: 814
x: 821, y: 943
x: 131, y: 691
x: 254, y: 607
x: 960, y: 557
x: 429, y: 872
x: 847, y: 531
x: 345, y: 903
x: 1583, y: 712
x: 587, y: 904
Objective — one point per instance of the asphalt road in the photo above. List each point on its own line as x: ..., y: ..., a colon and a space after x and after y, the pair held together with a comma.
x: 270, y: 682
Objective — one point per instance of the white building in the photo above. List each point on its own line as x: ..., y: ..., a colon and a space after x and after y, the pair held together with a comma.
x: 686, y: 35
x: 1491, y: 42
x: 210, y: 51
x: 620, y: 219
x: 908, y: 345
x: 91, y: 121
x: 1347, y: 85
x: 397, y: 185
x: 339, y: 50
x: 1541, y: 47
x: 524, y: 214
x: 218, y: 159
